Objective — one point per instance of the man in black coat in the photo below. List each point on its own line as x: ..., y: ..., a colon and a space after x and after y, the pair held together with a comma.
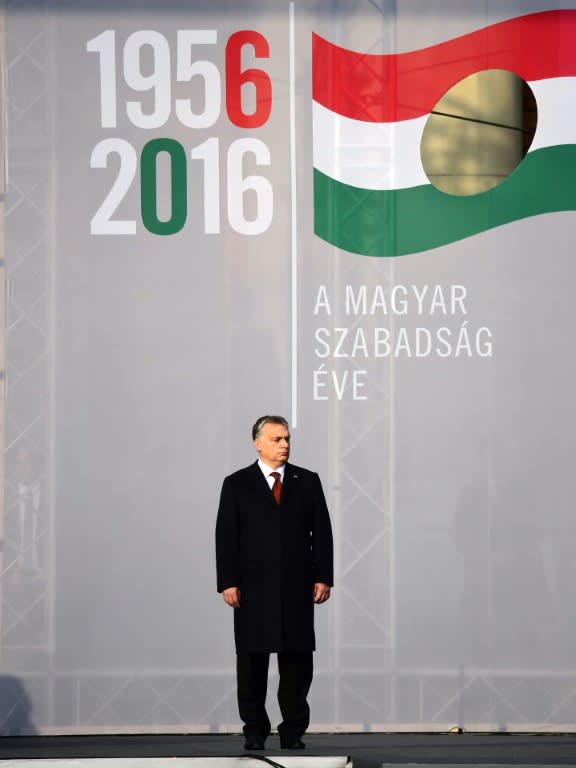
x: 274, y: 561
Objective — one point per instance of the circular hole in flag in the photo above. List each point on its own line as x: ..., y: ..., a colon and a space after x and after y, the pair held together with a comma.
x: 478, y: 132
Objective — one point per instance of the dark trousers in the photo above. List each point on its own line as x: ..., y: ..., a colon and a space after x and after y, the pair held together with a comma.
x: 295, y: 671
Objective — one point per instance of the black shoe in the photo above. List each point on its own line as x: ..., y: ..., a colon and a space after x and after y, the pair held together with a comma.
x: 253, y: 744
x: 293, y: 744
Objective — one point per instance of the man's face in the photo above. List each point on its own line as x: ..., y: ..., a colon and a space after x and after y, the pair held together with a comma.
x: 273, y: 444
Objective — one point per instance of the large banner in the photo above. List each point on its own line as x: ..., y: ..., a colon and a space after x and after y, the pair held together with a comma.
x: 216, y: 210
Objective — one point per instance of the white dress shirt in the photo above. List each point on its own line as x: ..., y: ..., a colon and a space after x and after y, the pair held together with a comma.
x: 266, y: 471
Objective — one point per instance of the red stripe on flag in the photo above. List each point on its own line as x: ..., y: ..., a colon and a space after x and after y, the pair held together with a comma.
x: 387, y: 88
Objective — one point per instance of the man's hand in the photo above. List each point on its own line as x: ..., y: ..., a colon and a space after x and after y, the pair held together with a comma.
x: 232, y: 596
x: 321, y: 592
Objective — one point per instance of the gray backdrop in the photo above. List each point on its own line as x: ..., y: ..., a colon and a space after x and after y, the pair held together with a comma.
x: 137, y: 363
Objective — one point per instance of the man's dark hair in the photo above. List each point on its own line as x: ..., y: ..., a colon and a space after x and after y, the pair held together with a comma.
x: 257, y: 428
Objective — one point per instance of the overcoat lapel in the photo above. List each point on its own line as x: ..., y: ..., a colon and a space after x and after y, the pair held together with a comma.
x: 289, y: 485
x: 260, y: 484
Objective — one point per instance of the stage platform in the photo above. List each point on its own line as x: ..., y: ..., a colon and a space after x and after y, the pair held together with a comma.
x: 365, y: 750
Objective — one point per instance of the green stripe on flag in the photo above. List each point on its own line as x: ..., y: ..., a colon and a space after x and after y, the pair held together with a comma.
x: 398, y: 222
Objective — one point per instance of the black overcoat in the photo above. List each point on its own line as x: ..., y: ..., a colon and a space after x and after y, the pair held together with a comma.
x: 274, y: 554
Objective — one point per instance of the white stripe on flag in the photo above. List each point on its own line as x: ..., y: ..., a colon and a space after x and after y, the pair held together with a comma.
x: 387, y: 155
x: 556, y: 101
x: 368, y: 155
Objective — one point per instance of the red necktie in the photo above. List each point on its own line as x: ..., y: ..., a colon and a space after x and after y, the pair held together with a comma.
x: 277, y: 487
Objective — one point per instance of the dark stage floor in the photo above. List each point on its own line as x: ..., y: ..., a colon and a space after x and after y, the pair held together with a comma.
x: 367, y: 750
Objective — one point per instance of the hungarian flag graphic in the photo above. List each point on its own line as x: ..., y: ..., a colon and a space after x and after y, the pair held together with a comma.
x: 371, y: 195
